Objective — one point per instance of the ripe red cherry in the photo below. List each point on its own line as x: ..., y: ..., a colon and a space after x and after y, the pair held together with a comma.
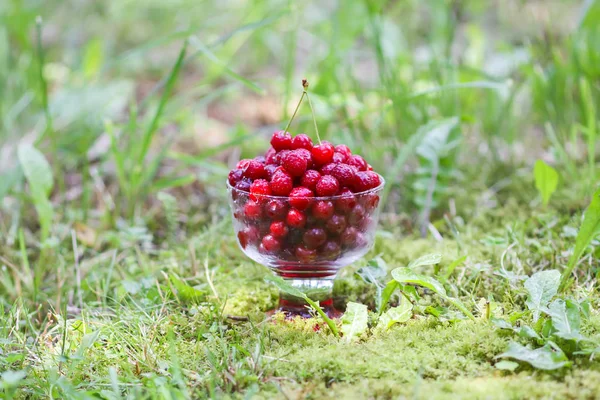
x: 349, y: 235
x: 300, y: 197
x: 270, y: 156
x: 322, y: 153
x: 358, y: 162
x: 371, y: 201
x: 295, y: 218
x: 276, y: 209
x: 336, y: 224
x: 344, y: 173
x: 345, y: 150
x: 235, y: 175
x: 271, y: 244
x: 331, y: 250
x: 310, y: 179
x: 365, y: 180
x: 346, y: 201
x: 281, y: 140
x: 248, y: 235
x: 281, y: 183
x: 244, y: 185
x: 305, y: 254
x: 339, y: 158
x: 327, y: 168
x: 242, y: 163
x: 307, y: 156
x: 280, y: 156
x: 278, y: 229
x: 295, y: 163
x: 255, y: 170
x: 314, y: 237
x: 271, y: 168
x: 356, y: 215
x: 259, y: 188
x: 302, y: 141
x: 252, y: 210
x: 327, y: 186
x: 323, y: 210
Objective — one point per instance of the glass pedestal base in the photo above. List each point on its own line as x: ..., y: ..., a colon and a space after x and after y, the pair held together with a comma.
x: 318, y: 290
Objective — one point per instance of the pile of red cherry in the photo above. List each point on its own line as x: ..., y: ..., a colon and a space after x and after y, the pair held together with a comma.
x: 304, y: 202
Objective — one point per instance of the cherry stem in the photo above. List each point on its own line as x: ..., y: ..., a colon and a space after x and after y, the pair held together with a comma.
x: 305, y: 93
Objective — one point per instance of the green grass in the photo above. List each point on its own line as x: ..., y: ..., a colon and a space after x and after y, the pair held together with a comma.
x: 115, y: 140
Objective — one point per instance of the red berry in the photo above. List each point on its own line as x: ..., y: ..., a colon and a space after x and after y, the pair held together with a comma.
x: 252, y: 210
x: 244, y: 185
x: 349, y: 235
x: 276, y: 209
x: 326, y: 170
x: 270, y: 168
x: 327, y: 186
x: 300, y: 197
x: 366, y: 180
x: 358, y: 162
x: 339, y: 158
x: 242, y: 164
x: 280, y: 156
x: 295, y: 218
x: 247, y: 235
x: 270, y: 156
x: 310, y: 179
x: 306, y: 155
x: 322, y: 153
x: 255, y: 170
x: 371, y: 201
x: 314, y: 237
x: 323, y: 210
x: 356, y: 215
x: 278, y: 229
x: 271, y: 244
x: 331, y: 250
x: 235, y: 175
x: 294, y: 163
x: 302, y: 141
x: 281, y: 140
x: 281, y: 183
x: 336, y: 224
x: 346, y: 202
x: 305, y: 254
x: 342, y: 148
x: 259, y: 188
x: 260, y: 159
x: 344, y: 173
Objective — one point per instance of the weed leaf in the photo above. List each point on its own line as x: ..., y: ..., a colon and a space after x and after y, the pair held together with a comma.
x: 185, y: 292
x: 375, y: 270
x: 590, y: 227
x: 406, y: 275
x: 546, y: 180
x: 396, y: 315
x: 542, y: 287
x: 428, y: 259
x: 354, y: 321
x: 565, y: 319
x: 545, y: 358
x: 383, y: 296
x: 38, y: 173
x: 506, y: 365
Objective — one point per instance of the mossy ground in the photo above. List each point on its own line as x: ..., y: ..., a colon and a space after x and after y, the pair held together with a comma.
x: 140, y: 341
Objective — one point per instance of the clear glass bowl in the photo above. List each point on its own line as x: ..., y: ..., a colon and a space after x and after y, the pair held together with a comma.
x: 308, y: 246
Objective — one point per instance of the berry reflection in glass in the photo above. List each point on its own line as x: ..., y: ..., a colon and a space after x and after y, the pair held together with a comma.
x: 303, y: 237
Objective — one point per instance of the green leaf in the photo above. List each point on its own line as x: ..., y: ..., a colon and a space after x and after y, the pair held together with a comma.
x: 500, y: 323
x: 546, y: 180
x: 354, y: 321
x: 528, y: 332
x: 172, y: 182
x: 375, y: 270
x: 396, y: 315
x: 405, y: 275
x: 542, y: 287
x: 590, y: 227
x: 565, y: 319
x: 506, y: 365
x: 285, y: 287
x: 185, y: 292
x: 545, y: 358
x: 428, y: 259
x: 11, y: 378
x: 93, y: 58
x: 38, y: 173
x: 383, y: 296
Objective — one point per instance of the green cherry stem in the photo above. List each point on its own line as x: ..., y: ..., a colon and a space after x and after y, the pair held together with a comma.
x: 312, y: 111
x: 297, y: 107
